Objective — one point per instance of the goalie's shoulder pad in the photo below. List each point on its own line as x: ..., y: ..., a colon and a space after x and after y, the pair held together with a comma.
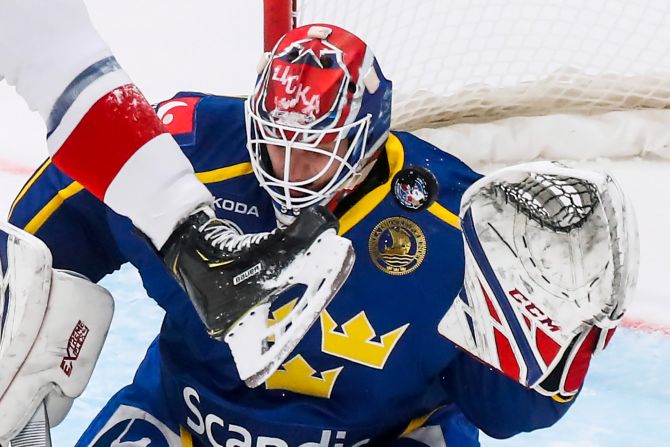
x: 551, y: 258
x: 53, y: 325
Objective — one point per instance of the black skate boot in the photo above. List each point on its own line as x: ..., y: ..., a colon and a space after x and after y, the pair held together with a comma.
x: 233, y: 278
x: 225, y: 273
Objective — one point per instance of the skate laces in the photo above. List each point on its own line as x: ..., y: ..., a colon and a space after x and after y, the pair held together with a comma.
x: 225, y: 236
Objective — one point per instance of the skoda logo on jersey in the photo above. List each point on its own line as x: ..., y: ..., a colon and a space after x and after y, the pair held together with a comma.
x: 236, y: 207
x: 397, y: 246
x: 415, y: 188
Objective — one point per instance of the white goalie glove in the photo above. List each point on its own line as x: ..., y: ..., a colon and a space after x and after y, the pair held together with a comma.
x: 551, y: 258
x: 53, y: 326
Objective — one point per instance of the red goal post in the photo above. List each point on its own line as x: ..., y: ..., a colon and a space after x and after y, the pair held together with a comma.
x: 515, y: 79
x: 278, y: 17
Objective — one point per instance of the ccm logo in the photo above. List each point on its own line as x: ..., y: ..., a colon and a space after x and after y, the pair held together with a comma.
x: 533, y: 310
x: 74, y: 345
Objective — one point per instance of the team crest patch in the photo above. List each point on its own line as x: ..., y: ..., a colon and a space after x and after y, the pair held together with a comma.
x: 397, y: 246
x: 415, y: 188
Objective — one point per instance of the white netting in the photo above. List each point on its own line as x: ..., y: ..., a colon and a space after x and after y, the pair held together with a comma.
x: 455, y: 61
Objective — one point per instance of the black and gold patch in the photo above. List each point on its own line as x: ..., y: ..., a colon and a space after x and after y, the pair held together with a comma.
x: 397, y: 246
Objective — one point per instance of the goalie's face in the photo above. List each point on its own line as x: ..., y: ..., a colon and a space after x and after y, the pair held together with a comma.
x: 311, y: 170
x: 300, y: 167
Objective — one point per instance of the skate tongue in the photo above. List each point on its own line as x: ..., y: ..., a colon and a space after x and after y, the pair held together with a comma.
x: 322, y: 268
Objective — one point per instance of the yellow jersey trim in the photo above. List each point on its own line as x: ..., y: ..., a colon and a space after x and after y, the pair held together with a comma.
x: 47, y: 210
x: 28, y: 184
x: 186, y: 438
x: 227, y: 173
x: 216, y: 175
x: 396, y: 159
x: 444, y: 214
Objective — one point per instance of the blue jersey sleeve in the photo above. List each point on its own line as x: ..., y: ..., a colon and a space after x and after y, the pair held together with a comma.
x: 70, y: 220
x: 495, y: 403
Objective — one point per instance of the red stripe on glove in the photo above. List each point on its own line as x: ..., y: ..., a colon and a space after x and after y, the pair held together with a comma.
x: 580, y: 364
x: 116, y: 127
x: 508, y: 363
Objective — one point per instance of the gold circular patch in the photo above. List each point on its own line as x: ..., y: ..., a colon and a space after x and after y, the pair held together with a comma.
x: 397, y: 246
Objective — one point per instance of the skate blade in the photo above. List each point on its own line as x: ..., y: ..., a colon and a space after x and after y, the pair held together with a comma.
x: 323, y: 268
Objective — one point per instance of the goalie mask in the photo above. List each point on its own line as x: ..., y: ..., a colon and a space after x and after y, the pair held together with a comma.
x: 320, y: 97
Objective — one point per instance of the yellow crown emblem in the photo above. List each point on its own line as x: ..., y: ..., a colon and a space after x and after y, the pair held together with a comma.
x: 296, y: 375
x: 355, y: 342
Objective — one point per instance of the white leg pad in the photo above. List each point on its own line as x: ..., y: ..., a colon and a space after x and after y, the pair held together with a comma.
x: 55, y: 323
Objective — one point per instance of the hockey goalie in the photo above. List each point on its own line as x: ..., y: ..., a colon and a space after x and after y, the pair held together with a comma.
x: 474, y: 303
x: 550, y: 260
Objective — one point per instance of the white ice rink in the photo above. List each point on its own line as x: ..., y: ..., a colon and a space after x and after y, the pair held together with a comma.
x: 626, y: 399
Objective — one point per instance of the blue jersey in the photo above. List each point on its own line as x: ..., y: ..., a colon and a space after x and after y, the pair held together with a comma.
x: 373, y: 367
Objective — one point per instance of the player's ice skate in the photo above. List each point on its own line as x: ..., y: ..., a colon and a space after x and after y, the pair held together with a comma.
x: 233, y: 278
x: 323, y: 267
x: 551, y: 259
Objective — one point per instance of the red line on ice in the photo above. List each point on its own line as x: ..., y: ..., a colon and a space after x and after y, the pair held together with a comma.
x: 645, y: 326
x: 15, y: 168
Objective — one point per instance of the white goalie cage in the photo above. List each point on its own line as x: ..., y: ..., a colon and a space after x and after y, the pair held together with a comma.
x: 567, y: 79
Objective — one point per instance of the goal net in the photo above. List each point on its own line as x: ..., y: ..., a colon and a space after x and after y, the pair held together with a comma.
x: 520, y: 79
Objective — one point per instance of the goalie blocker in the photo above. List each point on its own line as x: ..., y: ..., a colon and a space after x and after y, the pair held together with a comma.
x: 551, y: 258
x: 53, y: 324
